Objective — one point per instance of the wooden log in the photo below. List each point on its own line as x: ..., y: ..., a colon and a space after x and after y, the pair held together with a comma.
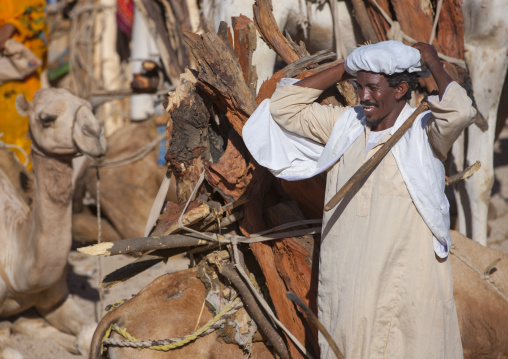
x: 296, y: 260
x: 221, y: 77
x: 244, y: 47
x: 143, y: 244
x: 233, y: 173
x: 187, y: 134
x: 177, y: 21
x: 379, y: 23
x: 311, y: 200
x: 267, y: 27
x: 168, y: 220
x: 362, y: 17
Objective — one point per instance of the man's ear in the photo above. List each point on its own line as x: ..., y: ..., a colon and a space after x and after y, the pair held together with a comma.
x: 23, y: 105
x: 401, y: 90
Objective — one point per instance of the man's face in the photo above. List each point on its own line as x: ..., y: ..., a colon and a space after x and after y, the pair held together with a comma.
x: 377, y: 98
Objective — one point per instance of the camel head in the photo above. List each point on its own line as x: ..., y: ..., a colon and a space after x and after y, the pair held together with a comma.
x: 62, y: 124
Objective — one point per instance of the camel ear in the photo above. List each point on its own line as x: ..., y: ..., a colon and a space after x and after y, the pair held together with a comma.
x: 23, y: 105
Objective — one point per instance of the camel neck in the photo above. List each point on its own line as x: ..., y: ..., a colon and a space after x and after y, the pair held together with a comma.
x: 52, y: 214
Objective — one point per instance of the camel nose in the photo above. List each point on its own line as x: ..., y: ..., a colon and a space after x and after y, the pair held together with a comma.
x: 88, y: 133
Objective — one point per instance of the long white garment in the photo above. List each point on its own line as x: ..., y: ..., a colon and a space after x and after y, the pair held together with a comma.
x: 383, y: 293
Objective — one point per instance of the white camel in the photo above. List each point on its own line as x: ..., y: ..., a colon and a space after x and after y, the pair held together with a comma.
x: 486, y: 44
x: 35, y: 236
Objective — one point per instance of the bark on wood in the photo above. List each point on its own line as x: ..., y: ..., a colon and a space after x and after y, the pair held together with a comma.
x: 168, y: 220
x: 297, y: 264
x: 187, y: 134
x: 233, y: 173
x: 222, y: 78
x: 267, y: 27
x: 362, y: 17
x: 379, y: 23
x: 244, y: 47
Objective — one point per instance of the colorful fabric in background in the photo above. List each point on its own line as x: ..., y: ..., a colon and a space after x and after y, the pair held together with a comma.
x: 124, y: 21
x: 27, y: 16
x: 125, y: 16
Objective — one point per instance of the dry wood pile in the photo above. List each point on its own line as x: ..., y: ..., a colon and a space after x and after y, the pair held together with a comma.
x: 235, y: 196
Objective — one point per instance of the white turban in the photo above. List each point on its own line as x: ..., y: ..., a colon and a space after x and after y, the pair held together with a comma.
x: 387, y: 57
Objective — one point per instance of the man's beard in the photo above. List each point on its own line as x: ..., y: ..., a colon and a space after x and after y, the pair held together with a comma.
x: 374, y: 123
x: 371, y: 123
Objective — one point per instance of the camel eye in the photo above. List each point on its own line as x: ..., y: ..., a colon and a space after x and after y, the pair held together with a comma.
x: 47, y: 119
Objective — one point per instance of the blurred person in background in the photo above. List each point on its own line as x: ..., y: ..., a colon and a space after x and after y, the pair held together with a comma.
x: 25, y: 22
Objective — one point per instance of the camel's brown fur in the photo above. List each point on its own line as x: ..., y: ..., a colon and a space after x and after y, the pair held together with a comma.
x: 127, y: 192
x: 482, y: 312
x: 169, y: 307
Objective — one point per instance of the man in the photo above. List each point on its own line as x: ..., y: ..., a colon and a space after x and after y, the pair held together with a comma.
x: 385, y: 285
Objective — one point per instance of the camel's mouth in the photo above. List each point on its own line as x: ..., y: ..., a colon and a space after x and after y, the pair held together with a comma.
x: 88, y: 134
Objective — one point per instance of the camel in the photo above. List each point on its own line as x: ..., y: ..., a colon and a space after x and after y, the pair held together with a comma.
x: 482, y: 310
x: 170, y: 306
x: 486, y: 44
x: 127, y: 192
x: 35, y: 227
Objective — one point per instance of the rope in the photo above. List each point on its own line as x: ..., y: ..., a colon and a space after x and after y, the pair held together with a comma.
x: 436, y: 19
x: 451, y: 60
x: 485, y: 276
x: 134, y: 157
x: 99, y: 241
x: 169, y: 344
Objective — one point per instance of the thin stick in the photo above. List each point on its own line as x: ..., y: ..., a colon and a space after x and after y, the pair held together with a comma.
x: 200, y: 313
x: 292, y: 297
x: 468, y: 172
x: 375, y: 159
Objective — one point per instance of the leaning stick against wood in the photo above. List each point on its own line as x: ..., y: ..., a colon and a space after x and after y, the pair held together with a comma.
x: 312, y: 317
x: 376, y: 158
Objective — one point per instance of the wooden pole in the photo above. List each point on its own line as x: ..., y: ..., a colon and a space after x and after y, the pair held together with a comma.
x: 375, y: 159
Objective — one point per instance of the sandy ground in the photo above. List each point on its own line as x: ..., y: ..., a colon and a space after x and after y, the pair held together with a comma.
x: 83, y: 276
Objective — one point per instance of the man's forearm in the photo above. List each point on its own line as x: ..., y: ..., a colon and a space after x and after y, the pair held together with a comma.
x: 326, y: 78
x: 440, y: 76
